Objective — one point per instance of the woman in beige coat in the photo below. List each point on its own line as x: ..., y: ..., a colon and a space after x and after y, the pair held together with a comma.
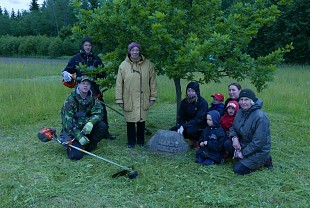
x: 136, y: 91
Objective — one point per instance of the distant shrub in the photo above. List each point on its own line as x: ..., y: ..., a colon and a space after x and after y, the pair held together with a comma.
x: 9, y: 45
x: 56, y: 48
x: 70, y: 48
x: 28, y: 46
x: 43, y: 45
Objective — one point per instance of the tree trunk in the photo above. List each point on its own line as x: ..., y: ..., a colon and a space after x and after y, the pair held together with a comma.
x: 178, y: 91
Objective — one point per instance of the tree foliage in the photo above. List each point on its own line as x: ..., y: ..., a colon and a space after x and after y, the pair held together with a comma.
x: 192, y: 40
x: 292, y: 26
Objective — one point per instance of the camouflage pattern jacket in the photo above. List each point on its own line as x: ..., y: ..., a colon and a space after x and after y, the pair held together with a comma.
x: 76, y: 112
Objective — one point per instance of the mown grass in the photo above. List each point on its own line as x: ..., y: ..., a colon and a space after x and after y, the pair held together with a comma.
x: 36, y: 174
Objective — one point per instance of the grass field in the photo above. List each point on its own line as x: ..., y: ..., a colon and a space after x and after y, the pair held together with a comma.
x: 36, y: 174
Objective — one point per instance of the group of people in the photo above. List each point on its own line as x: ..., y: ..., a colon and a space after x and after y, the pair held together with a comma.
x: 84, y: 114
x: 237, y: 128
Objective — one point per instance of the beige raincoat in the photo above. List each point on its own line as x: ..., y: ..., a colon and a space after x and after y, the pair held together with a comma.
x: 135, y: 87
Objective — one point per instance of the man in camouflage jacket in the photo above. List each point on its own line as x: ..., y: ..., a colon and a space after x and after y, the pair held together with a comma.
x: 82, y: 119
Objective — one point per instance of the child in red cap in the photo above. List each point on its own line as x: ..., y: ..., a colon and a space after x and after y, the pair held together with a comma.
x: 217, y: 103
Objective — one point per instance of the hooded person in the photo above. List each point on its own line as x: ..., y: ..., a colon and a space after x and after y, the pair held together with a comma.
x: 250, y: 139
x: 191, y: 115
x: 211, y: 141
x: 88, y: 59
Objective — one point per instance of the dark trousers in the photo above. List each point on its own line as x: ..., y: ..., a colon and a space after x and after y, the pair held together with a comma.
x: 97, y: 134
x: 229, y: 147
x: 240, y: 169
x: 190, y: 131
x: 135, y: 135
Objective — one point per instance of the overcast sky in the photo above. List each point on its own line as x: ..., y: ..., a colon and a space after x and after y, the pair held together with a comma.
x: 16, y: 4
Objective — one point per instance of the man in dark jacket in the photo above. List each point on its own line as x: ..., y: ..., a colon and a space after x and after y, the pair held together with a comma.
x: 192, y: 113
x: 87, y: 58
x: 250, y: 135
x: 82, y: 119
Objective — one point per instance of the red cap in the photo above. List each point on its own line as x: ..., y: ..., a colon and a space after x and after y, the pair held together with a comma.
x: 218, y: 96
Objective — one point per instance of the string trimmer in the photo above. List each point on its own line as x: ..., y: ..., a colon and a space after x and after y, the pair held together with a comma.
x: 48, y: 134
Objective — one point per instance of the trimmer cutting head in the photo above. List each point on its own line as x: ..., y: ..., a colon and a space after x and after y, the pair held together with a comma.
x: 131, y: 174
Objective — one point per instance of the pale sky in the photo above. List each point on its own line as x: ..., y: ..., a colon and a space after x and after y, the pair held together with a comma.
x: 17, y: 4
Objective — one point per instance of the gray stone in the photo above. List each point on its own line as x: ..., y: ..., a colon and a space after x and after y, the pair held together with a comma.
x: 168, y: 141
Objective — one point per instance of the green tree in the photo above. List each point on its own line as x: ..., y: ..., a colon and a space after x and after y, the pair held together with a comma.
x: 192, y: 40
x: 34, y: 6
x: 293, y: 25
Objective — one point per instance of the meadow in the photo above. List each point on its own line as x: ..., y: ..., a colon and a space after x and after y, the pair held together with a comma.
x: 36, y: 174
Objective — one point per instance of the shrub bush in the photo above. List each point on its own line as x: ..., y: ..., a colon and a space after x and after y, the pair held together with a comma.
x: 28, y: 46
x: 56, y: 48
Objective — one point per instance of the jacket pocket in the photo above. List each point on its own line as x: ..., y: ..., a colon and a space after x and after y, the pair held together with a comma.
x: 128, y: 106
x: 146, y: 102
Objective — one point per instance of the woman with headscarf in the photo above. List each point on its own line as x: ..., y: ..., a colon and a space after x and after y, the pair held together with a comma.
x: 192, y: 113
x: 250, y: 135
x: 135, y: 92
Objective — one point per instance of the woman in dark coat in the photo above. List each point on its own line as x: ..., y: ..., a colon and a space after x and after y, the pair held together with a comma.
x: 192, y: 113
x: 250, y: 135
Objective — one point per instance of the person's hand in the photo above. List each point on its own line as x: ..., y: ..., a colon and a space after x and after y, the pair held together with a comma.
x: 201, y: 144
x: 121, y: 105
x: 180, y: 130
x: 84, y: 140
x: 88, y: 128
x: 66, y: 76
x: 205, y: 143
x: 152, y: 102
x: 238, y: 154
x: 236, y: 143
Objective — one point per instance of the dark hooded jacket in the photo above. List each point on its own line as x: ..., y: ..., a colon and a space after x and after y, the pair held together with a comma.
x: 252, y: 127
x: 216, y: 136
x: 91, y: 61
x: 193, y: 113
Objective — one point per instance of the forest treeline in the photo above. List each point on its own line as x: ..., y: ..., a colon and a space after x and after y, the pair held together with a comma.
x: 45, y: 30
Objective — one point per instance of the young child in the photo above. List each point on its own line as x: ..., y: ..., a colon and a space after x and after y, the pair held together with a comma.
x: 217, y: 103
x: 211, y: 141
x: 227, y: 121
x: 229, y: 116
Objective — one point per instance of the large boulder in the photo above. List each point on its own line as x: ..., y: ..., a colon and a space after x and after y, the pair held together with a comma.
x: 168, y: 141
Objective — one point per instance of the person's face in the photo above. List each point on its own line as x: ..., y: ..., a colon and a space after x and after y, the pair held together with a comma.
x: 190, y: 92
x: 245, y: 103
x: 216, y: 101
x: 87, y: 47
x: 209, y: 120
x: 84, y: 87
x: 135, y: 53
x: 231, y: 111
x: 233, y: 92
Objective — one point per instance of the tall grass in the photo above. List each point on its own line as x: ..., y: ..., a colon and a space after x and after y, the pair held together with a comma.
x: 35, y: 174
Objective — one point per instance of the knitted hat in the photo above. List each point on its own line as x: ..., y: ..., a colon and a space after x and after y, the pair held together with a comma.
x: 218, y: 96
x: 233, y: 104
x: 247, y: 93
x: 86, y: 39
x: 133, y: 44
